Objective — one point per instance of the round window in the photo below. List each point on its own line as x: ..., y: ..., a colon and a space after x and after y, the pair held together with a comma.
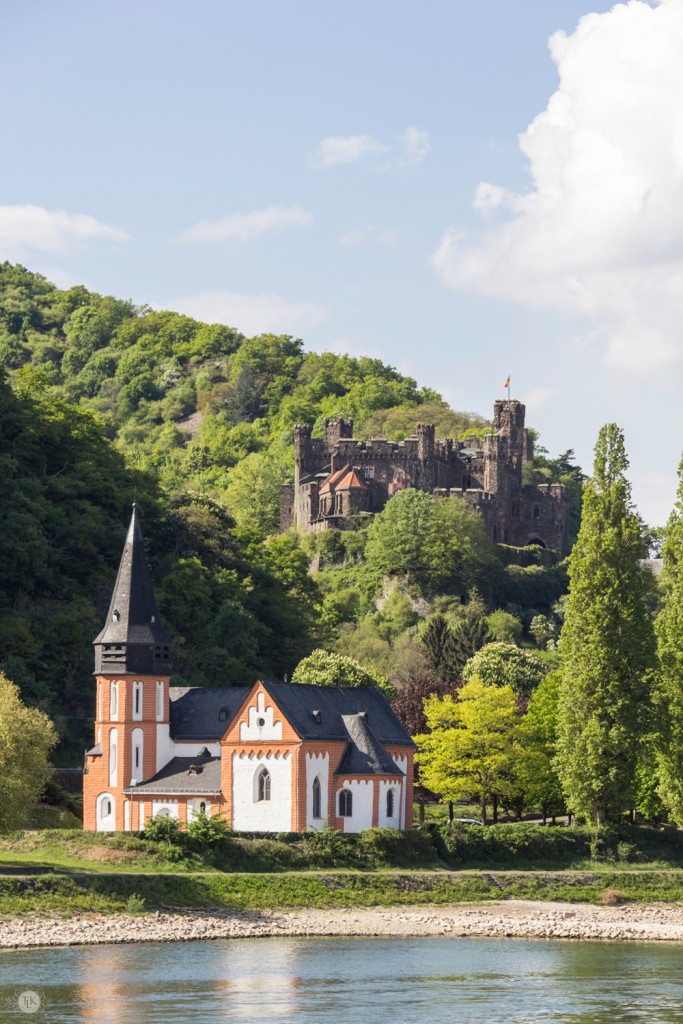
x: 260, y: 722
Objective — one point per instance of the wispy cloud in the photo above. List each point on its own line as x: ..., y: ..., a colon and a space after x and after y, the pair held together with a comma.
x: 337, y: 149
x: 251, y: 314
x: 601, y: 231
x: 32, y: 228
x: 245, y: 227
x: 416, y: 145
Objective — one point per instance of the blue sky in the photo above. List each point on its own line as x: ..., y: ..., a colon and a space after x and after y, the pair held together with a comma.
x: 352, y: 174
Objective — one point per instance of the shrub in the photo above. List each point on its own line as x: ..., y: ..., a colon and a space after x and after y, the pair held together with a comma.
x: 329, y: 848
x: 135, y: 904
x: 163, y: 830
x: 205, y: 832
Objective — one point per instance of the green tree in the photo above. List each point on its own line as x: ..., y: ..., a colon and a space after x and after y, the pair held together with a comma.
x: 473, y: 748
x: 253, y: 492
x: 539, y: 777
x: 669, y: 628
x: 607, y: 646
x: 504, y: 627
x: 325, y: 668
x: 26, y: 738
x: 441, y: 648
x: 500, y: 664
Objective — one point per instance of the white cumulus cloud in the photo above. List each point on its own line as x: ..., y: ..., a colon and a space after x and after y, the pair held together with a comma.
x: 245, y: 227
x: 416, y: 145
x: 30, y: 228
x: 337, y: 149
x: 251, y: 314
x: 600, y: 232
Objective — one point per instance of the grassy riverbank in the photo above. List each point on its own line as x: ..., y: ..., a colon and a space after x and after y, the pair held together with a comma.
x: 138, y: 892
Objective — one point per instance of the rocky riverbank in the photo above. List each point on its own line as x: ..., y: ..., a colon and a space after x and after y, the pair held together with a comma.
x: 508, y: 919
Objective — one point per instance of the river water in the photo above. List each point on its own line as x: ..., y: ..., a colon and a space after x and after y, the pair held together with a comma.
x: 346, y: 981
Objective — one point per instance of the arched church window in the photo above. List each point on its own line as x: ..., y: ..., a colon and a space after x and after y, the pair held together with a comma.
x: 317, y: 801
x: 263, y: 785
x: 390, y: 803
x: 345, y: 803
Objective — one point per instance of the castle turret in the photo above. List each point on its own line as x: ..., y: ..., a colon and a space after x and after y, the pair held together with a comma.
x: 132, y: 668
x: 335, y: 430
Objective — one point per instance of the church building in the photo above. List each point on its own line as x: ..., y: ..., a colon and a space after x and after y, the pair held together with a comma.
x: 270, y: 757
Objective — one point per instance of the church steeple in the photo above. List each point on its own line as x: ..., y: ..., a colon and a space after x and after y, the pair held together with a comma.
x: 133, y: 640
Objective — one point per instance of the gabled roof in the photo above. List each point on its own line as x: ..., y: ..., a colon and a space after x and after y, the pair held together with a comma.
x: 133, y: 639
x: 316, y: 712
x: 343, y: 479
x: 364, y: 754
x: 204, y: 712
x: 199, y: 775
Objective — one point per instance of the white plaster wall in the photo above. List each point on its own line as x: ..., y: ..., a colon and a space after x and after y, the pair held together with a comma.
x: 362, y: 790
x: 113, y: 757
x: 165, y: 745
x: 274, y: 815
x: 137, y: 740
x: 165, y: 805
x: 105, y: 822
x: 270, y: 730
x: 126, y: 815
x: 193, y: 808
x: 401, y: 761
x: 382, y: 819
x: 317, y: 764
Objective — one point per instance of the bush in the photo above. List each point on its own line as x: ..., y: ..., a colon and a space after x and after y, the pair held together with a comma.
x: 509, y: 844
x: 135, y: 904
x: 163, y: 830
x: 329, y: 848
x: 204, y: 833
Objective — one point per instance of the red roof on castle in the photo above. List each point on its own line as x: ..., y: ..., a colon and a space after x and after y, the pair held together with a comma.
x: 343, y: 480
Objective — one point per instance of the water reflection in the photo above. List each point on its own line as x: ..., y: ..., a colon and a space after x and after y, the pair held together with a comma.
x: 351, y: 981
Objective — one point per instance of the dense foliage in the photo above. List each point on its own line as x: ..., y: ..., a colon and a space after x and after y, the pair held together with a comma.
x: 607, y: 646
x: 104, y: 402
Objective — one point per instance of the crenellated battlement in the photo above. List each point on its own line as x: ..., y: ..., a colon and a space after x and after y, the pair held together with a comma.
x: 487, y: 472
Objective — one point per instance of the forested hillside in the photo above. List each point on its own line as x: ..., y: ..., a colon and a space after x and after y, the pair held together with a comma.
x: 102, y: 402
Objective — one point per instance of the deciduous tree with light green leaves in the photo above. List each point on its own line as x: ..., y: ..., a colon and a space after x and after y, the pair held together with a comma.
x: 607, y: 646
x: 669, y: 628
x: 501, y: 664
x: 325, y: 668
x: 473, y: 748
x: 26, y: 738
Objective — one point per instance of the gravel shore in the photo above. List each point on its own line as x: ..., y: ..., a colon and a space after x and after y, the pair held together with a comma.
x: 508, y: 919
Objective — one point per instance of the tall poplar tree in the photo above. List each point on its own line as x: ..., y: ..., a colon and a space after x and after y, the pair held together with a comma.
x: 607, y: 646
x: 670, y: 648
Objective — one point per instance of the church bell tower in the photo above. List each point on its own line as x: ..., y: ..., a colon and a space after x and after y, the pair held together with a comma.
x: 132, y: 677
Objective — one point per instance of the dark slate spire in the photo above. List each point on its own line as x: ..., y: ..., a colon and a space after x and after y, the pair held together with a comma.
x: 133, y: 640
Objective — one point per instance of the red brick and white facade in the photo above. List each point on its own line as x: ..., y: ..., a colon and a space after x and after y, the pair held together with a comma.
x: 273, y: 757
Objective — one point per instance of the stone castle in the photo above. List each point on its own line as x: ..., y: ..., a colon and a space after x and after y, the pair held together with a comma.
x: 337, y: 477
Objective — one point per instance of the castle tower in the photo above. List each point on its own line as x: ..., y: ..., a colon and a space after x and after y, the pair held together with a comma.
x: 132, y: 672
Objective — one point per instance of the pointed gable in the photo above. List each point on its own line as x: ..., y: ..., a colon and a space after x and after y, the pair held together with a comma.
x: 133, y: 639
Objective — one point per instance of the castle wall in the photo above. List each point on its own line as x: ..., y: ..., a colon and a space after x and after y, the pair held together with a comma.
x: 488, y: 474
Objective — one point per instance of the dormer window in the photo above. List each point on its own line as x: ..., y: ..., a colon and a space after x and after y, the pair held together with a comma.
x: 223, y: 715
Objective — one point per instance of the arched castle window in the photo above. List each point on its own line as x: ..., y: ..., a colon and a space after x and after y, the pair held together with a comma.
x: 137, y: 701
x: 390, y: 803
x: 317, y: 798
x: 262, y: 785
x: 113, y: 701
x: 345, y: 803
